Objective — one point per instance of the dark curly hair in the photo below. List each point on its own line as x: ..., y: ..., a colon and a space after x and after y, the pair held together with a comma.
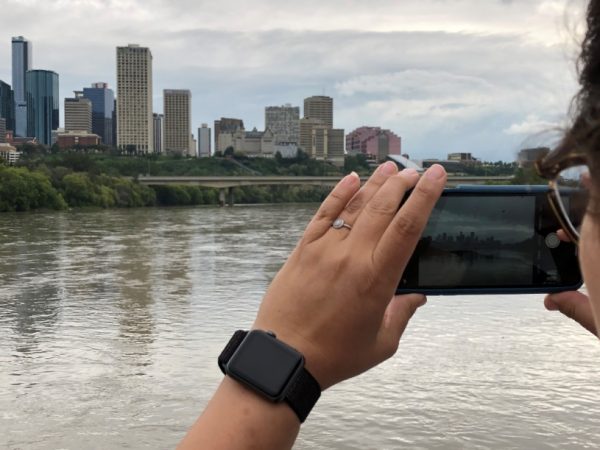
x: 584, y: 134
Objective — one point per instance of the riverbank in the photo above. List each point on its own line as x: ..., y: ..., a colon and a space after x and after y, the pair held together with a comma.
x: 74, y: 179
x: 22, y: 189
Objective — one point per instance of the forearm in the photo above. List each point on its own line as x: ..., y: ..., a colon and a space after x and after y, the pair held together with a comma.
x: 237, y: 418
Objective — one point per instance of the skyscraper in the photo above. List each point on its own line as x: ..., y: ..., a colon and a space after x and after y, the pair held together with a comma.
x: 284, y: 122
x: 2, y: 130
x: 41, y: 93
x: 178, y: 116
x: 306, y: 133
x: 21, y: 63
x: 204, y: 149
x: 103, y: 100
x: 134, y: 99
x: 192, y: 150
x: 319, y: 107
x: 317, y: 136
x: 7, y: 105
x: 78, y: 113
x: 159, y: 133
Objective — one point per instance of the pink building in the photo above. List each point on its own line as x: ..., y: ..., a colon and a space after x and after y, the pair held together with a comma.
x: 373, y: 142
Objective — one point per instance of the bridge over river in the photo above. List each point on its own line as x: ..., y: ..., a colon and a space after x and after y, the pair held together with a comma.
x: 225, y: 184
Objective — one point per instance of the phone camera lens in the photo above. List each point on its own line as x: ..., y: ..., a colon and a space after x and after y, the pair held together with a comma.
x: 552, y: 240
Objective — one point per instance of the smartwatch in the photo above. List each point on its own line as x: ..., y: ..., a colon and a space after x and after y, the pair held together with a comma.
x: 271, y: 368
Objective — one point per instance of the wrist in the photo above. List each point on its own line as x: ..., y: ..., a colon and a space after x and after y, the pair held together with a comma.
x: 237, y: 416
x: 272, y: 369
x: 314, y: 361
x: 248, y: 399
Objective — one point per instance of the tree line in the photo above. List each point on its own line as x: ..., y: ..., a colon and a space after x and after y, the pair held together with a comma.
x: 77, y: 179
x: 60, y: 180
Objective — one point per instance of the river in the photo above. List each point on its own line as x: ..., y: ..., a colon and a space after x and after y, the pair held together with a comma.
x: 111, y: 323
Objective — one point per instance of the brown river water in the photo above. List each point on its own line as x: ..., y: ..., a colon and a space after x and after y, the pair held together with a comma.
x: 111, y: 323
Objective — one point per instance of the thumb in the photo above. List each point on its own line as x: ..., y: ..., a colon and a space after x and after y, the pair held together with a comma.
x: 397, y: 314
x: 574, y: 305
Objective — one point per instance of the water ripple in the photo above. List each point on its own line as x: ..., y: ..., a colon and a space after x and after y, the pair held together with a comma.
x: 111, y: 323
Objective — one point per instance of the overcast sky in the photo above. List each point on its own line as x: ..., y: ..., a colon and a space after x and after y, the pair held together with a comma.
x: 480, y: 76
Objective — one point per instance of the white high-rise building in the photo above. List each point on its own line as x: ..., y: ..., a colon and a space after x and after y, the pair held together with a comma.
x: 159, y: 133
x: 178, y: 117
x: 204, y: 149
x: 284, y: 122
x: 192, y: 151
x: 134, y: 99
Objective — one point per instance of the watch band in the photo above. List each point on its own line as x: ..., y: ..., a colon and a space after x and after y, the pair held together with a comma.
x: 302, y: 393
x: 230, y: 348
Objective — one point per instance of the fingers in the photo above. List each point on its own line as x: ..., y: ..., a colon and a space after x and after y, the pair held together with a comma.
x: 362, y: 197
x: 574, y: 305
x: 331, y: 207
x: 563, y: 236
x: 397, y: 314
x: 400, y: 238
x: 382, y: 207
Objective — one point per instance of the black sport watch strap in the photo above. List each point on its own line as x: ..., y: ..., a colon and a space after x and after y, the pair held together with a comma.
x: 230, y: 348
x: 303, y: 391
x: 303, y: 394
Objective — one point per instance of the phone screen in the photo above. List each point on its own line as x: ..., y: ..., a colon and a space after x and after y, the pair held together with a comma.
x: 491, y: 241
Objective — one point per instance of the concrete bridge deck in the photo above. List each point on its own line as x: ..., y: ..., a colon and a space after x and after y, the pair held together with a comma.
x: 225, y: 184
x: 222, y: 182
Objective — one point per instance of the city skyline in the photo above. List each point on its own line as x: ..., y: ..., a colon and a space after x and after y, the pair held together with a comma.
x: 462, y: 77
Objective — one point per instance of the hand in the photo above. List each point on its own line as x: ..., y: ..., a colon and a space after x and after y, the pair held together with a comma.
x: 574, y: 305
x: 331, y: 300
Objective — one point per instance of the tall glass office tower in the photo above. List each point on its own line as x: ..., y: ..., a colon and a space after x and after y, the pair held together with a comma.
x: 41, y: 92
x: 103, y: 106
x: 21, y: 63
x: 7, y: 105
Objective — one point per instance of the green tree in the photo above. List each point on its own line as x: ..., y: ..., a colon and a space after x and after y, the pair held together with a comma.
x: 22, y: 190
x: 356, y: 163
x: 79, y: 190
x: 528, y: 176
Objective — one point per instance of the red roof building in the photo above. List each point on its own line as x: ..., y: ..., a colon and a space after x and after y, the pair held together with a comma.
x: 374, y: 142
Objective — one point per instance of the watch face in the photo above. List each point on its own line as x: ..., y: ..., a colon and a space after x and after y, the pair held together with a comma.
x: 265, y: 363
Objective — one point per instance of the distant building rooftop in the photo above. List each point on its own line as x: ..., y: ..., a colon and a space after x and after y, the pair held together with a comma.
x: 9, y: 154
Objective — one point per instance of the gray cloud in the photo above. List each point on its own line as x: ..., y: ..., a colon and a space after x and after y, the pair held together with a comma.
x: 446, y: 75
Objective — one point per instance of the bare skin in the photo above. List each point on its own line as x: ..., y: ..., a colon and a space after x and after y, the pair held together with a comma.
x: 342, y: 328
x: 584, y: 309
x: 347, y: 327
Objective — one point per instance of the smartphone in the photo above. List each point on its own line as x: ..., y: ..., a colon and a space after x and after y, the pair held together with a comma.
x: 491, y: 240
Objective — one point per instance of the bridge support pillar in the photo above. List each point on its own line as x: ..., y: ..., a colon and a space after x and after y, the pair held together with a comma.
x: 230, y: 197
x: 226, y: 197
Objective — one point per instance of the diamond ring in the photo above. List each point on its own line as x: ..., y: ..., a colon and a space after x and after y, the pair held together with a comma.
x: 339, y: 223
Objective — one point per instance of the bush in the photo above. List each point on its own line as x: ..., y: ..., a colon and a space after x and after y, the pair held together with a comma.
x: 22, y: 190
